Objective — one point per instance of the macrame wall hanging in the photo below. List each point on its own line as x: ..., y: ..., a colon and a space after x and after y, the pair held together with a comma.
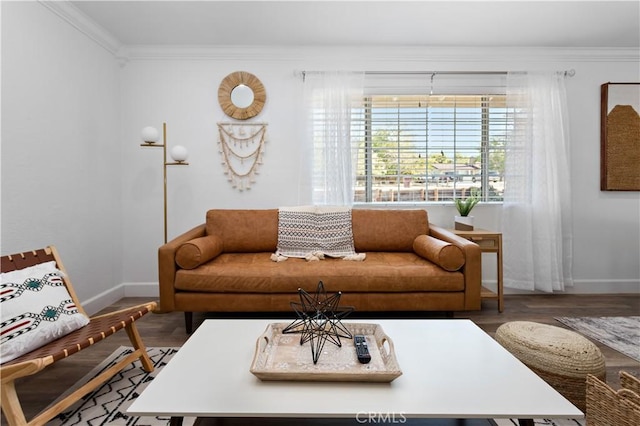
x: 241, y: 146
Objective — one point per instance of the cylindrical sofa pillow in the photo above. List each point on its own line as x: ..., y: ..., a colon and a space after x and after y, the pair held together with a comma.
x: 194, y: 253
x: 442, y: 253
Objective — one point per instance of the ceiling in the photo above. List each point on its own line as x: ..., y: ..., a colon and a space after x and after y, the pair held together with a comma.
x: 578, y: 24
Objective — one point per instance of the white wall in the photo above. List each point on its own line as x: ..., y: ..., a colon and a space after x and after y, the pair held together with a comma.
x: 61, y: 163
x: 606, y: 223
x: 180, y: 86
x: 100, y: 133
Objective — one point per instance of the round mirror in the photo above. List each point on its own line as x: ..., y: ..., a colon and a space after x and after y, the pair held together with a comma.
x: 241, y: 95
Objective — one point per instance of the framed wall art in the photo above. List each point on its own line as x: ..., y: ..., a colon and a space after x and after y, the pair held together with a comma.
x: 620, y: 137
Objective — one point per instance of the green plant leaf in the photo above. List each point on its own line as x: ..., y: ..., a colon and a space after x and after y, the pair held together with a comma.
x: 465, y: 206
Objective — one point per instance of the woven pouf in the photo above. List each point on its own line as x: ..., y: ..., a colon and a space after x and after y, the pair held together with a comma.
x: 562, y: 358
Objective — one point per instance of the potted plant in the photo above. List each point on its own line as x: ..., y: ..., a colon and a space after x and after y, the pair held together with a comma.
x: 463, y: 221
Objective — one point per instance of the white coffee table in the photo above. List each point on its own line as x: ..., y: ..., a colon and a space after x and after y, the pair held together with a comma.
x: 451, y: 369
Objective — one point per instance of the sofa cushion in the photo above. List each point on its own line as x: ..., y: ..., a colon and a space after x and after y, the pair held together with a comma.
x: 195, y: 252
x: 442, y: 253
x: 390, y: 272
x: 244, y: 231
x: 387, y: 230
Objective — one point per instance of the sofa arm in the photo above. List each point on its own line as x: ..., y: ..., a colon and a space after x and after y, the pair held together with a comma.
x: 167, y: 266
x: 472, y: 268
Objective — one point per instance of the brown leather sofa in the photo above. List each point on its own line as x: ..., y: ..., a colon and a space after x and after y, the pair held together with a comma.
x: 226, y: 265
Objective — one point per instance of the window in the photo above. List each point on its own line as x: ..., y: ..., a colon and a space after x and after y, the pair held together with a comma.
x: 444, y: 143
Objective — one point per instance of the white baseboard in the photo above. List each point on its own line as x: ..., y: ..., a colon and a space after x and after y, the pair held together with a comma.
x: 100, y: 301
x: 104, y: 299
x: 582, y: 286
x: 150, y: 289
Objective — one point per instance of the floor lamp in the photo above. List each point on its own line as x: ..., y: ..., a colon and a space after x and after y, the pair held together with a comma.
x: 178, y: 153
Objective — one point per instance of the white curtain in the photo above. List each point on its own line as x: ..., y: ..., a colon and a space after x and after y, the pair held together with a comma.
x: 537, y: 234
x: 330, y: 98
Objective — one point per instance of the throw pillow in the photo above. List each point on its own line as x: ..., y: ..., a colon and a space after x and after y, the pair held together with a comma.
x: 35, y: 309
x: 442, y: 253
x: 194, y: 253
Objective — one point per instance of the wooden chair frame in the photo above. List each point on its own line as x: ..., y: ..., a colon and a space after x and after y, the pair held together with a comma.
x: 99, y: 328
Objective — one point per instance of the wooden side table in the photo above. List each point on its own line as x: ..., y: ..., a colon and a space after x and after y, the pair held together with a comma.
x: 489, y: 242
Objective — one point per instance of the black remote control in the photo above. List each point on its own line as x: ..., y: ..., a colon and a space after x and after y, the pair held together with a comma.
x: 362, y: 351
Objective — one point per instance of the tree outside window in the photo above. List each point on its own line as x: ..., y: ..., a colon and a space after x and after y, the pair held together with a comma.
x: 426, y: 148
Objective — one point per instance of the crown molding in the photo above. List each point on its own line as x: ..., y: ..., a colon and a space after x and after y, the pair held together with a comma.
x: 416, y: 54
x: 382, y: 53
x: 77, y: 19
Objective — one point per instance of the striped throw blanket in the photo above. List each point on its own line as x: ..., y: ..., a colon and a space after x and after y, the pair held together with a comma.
x: 313, y: 232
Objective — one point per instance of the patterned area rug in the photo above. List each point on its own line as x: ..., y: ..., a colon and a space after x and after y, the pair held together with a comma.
x: 619, y: 333
x: 547, y: 422
x: 107, y: 405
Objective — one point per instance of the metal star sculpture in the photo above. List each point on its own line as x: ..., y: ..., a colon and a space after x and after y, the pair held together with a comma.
x: 319, y: 320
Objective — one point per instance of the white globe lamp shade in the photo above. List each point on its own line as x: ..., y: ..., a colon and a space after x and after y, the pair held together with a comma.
x: 150, y: 134
x: 179, y: 153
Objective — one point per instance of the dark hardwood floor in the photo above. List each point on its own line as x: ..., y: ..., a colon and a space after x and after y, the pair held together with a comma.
x: 38, y: 391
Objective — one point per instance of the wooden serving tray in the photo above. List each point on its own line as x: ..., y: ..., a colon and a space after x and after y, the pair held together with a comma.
x: 281, y: 357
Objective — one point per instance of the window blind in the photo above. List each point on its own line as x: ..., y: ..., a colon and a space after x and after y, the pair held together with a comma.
x: 430, y: 137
